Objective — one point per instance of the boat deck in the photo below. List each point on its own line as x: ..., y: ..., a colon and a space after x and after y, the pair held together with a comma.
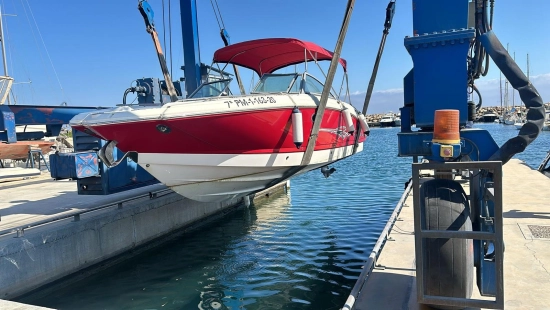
x: 526, y: 197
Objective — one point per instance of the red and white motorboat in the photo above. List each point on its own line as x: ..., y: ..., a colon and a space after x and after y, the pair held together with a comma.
x: 215, y: 146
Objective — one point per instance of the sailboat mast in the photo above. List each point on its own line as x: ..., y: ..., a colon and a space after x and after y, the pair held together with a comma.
x: 3, y: 49
x: 528, y: 67
x: 513, y: 90
x: 500, y: 84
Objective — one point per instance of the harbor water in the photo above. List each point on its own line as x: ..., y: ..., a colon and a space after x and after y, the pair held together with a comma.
x: 302, y: 250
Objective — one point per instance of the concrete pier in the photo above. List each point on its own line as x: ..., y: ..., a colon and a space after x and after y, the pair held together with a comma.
x: 68, y: 243
x: 10, y: 305
x: 526, y: 197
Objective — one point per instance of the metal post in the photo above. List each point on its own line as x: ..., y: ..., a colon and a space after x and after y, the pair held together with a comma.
x: 328, y: 85
x: 3, y: 50
x: 190, y: 39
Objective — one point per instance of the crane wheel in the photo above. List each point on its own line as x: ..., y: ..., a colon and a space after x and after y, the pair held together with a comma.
x: 448, y: 263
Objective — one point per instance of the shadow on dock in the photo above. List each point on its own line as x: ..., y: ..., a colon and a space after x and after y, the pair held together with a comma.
x: 516, y: 214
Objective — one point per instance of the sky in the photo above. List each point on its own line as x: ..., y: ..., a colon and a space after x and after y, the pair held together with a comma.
x: 88, y: 53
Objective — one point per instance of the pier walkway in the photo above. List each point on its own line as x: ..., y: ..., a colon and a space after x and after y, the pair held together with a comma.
x: 526, y: 211
x: 49, y: 232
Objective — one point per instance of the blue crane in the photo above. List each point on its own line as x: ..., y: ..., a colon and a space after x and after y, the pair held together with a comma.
x: 450, y: 47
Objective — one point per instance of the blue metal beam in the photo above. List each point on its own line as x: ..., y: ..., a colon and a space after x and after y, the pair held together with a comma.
x: 46, y: 115
x: 190, y: 37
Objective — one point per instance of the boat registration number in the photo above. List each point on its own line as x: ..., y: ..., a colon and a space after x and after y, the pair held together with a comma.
x: 249, y: 101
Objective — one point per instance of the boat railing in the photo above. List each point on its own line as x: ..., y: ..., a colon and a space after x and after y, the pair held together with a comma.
x: 5, y: 87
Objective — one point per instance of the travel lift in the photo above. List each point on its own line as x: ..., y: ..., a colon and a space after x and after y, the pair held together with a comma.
x: 454, y: 231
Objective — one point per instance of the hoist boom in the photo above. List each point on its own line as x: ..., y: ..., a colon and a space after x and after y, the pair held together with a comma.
x: 148, y: 14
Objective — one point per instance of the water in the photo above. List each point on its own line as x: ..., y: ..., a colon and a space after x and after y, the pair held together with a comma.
x: 303, y: 250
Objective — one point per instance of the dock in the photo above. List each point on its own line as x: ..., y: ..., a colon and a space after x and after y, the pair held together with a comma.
x: 49, y: 233
x: 526, y: 212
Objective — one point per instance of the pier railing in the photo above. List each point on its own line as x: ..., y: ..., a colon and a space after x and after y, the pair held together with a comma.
x: 20, y: 230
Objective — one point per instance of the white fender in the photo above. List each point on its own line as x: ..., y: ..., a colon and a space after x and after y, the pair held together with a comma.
x: 363, y: 122
x: 297, y: 127
x: 349, y: 121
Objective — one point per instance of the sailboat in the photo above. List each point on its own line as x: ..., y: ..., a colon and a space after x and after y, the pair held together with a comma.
x: 509, y: 115
x: 215, y: 146
x: 10, y: 148
x: 520, y: 115
x: 546, y: 126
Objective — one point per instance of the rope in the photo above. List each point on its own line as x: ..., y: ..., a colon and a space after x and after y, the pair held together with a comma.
x: 36, y: 43
x: 163, y: 27
x: 170, y: 33
x: 220, y: 13
x: 216, y: 14
x: 46, y: 49
x: 13, y: 51
x: 390, y: 11
x: 327, y: 87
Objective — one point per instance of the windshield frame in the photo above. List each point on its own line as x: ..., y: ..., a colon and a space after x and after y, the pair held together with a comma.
x: 225, y: 90
x: 298, y: 78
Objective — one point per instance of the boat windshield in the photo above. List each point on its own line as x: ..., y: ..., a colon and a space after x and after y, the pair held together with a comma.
x: 212, y: 89
x: 289, y: 83
x: 275, y: 83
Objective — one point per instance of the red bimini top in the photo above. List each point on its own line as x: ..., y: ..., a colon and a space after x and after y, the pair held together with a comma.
x: 268, y: 55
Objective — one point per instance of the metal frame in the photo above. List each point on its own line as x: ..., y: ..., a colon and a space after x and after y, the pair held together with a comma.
x: 30, y: 159
x: 497, y: 236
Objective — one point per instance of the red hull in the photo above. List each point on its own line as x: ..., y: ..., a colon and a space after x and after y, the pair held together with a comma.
x: 256, y: 132
x: 20, y: 149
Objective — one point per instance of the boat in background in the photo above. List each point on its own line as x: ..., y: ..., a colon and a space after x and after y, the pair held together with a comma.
x: 388, y: 120
x: 520, y: 120
x: 215, y: 146
x: 519, y: 124
x: 510, y: 119
x: 546, y: 126
x: 489, y: 117
x: 397, y: 120
x: 18, y: 150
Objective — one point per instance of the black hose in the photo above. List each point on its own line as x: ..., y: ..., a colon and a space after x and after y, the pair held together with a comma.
x: 482, y: 26
x: 527, y: 92
x: 478, y: 105
x: 126, y: 92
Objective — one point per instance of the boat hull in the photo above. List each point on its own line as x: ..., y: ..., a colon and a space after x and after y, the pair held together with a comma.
x: 219, y: 177
x: 208, y: 152
x: 387, y: 124
x: 489, y: 118
x: 20, y: 149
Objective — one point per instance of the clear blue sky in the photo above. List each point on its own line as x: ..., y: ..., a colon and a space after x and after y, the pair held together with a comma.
x: 98, y: 48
